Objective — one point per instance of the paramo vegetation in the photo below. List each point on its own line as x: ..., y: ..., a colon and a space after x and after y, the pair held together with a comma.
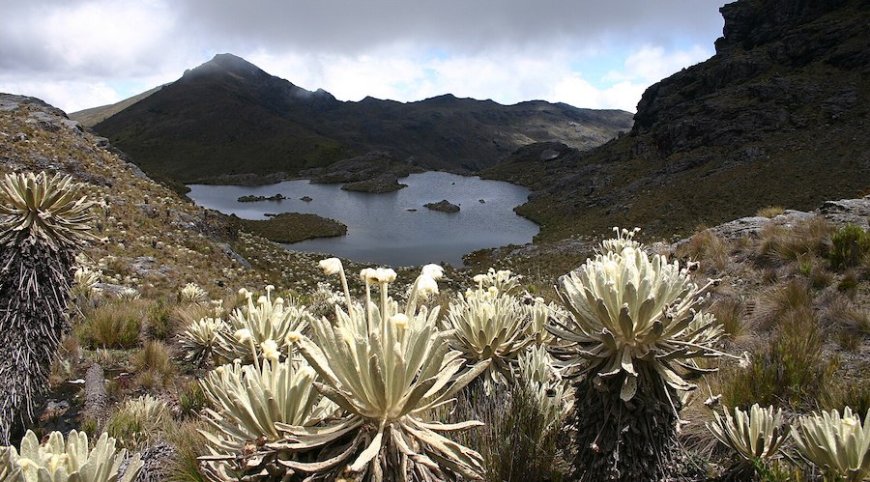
x: 640, y: 364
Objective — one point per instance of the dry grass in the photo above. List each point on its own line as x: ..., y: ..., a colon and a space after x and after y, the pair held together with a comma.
x: 770, y: 211
x: 775, y: 302
x: 707, y: 248
x: 780, y: 244
x: 730, y: 312
x: 114, y: 324
x: 791, y: 370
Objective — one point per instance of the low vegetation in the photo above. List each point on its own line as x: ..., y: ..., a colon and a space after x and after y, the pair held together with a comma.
x: 435, y: 374
x: 291, y: 227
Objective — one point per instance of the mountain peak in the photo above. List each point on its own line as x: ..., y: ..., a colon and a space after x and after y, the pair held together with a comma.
x: 230, y: 64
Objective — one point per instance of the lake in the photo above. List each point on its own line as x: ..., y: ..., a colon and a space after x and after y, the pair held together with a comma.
x: 380, y: 227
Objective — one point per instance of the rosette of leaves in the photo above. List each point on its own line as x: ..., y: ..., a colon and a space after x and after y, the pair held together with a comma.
x: 139, y: 421
x: 200, y: 338
x: 635, y: 324
x: 248, y: 403
x: 85, y: 282
x: 68, y: 461
x: 502, y: 280
x: 756, y: 435
x: 42, y: 222
x: 260, y: 321
x: 193, y: 293
x: 542, y: 383
x: 386, y: 370
x: 840, y: 446
x: 624, y: 238
x: 488, y: 324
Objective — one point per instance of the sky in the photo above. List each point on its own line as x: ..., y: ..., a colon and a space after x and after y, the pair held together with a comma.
x: 77, y: 54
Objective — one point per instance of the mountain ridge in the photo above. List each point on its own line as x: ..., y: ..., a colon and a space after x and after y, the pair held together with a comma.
x: 229, y: 117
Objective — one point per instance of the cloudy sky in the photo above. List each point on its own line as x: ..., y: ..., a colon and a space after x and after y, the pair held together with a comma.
x: 588, y: 53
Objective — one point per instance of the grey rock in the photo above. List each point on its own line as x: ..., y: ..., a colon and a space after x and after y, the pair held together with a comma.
x: 228, y: 251
x: 848, y: 211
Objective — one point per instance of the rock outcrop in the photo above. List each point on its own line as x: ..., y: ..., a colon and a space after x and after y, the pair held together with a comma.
x: 778, y: 116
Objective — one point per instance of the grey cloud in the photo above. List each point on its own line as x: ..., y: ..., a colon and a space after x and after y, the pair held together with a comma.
x: 354, y: 27
x: 342, y: 26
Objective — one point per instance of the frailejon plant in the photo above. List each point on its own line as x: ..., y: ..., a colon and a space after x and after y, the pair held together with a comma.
x: 248, y: 403
x: 387, y: 369
x: 139, y: 421
x: 542, y: 384
x: 69, y: 461
x: 490, y: 324
x: 637, y: 332
x: 266, y: 322
x: 756, y: 436
x: 193, y: 293
x: 42, y: 222
x: 201, y: 337
x: 840, y: 446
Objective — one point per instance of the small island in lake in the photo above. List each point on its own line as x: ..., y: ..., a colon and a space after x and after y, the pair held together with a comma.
x: 444, y: 206
x: 291, y: 227
x: 250, y: 198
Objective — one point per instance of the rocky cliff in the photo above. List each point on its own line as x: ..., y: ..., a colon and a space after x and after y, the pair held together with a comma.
x: 777, y: 116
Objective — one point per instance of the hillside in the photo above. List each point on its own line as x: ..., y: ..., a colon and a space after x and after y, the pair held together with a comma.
x: 95, y: 115
x: 228, y: 117
x: 778, y: 116
x: 794, y: 293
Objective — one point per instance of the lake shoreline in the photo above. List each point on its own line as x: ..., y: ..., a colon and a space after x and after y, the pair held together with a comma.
x: 391, y: 228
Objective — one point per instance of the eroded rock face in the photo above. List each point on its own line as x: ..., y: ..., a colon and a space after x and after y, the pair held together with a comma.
x: 748, y: 89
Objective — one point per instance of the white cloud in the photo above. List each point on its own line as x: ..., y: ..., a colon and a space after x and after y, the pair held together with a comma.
x: 82, y: 53
x: 64, y: 94
x: 407, y: 74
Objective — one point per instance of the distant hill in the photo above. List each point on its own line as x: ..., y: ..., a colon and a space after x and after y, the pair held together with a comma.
x: 228, y: 117
x: 95, y: 115
x: 778, y: 116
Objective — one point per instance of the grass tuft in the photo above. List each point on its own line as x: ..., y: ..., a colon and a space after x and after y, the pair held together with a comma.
x: 115, y: 324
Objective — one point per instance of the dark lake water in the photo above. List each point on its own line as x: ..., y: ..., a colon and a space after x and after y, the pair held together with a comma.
x: 380, y: 229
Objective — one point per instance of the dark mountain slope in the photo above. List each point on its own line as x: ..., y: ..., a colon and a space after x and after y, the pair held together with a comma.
x: 224, y: 117
x: 229, y: 117
x: 778, y: 116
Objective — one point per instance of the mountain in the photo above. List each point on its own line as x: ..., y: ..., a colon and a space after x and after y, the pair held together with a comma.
x: 229, y: 117
x: 95, y: 115
x: 778, y: 116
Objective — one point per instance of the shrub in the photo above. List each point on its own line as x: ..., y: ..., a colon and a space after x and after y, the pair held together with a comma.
x: 774, y: 303
x: 849, y: 245
x: 154, y: 358
x: 729, y: 310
